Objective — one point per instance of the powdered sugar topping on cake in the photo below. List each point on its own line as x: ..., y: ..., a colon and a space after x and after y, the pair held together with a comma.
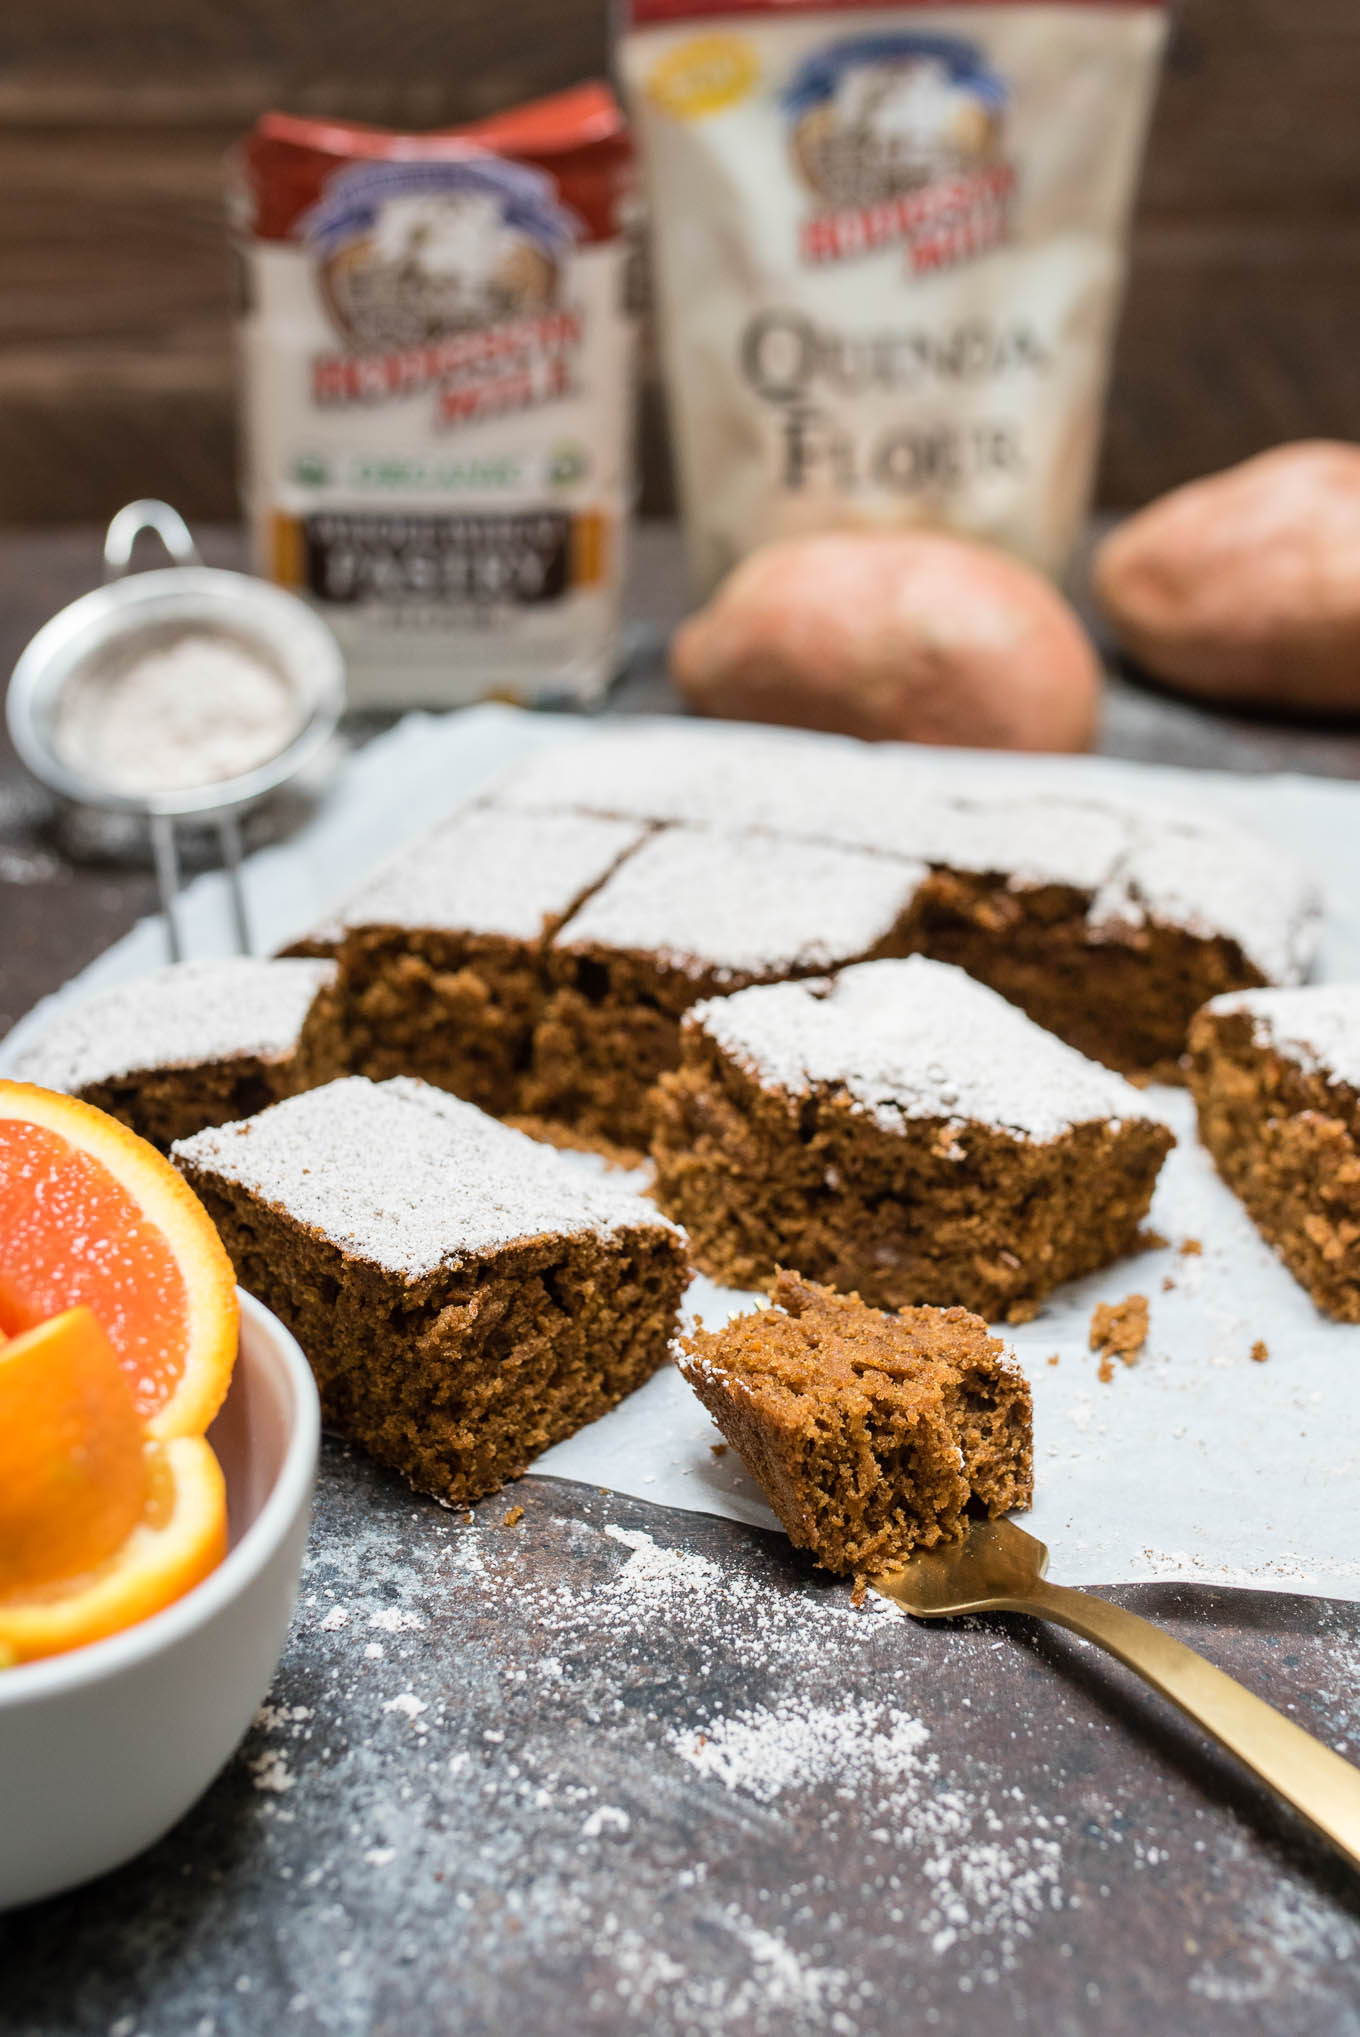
x: 1317, y: 1025
x: 181, y: 1017
x: 408, y: 1177
x: 745, y: 904
x: 916, y: 1039
x: 818, y: 788
x: 1139, y: 861
x: 684, y: 771
x: 486, y: 872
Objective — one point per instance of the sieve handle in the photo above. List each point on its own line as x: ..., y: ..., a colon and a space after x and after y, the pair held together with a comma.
x: 131, y: 521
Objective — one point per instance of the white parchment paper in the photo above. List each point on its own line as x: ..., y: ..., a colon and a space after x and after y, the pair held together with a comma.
x: 1200, y: 1463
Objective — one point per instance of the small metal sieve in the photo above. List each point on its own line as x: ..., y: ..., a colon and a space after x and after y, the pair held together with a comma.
x: 149, y: 609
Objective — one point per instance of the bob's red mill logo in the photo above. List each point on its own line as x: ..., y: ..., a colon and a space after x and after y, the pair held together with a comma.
x: 899, y: 140
x: 444, y: 276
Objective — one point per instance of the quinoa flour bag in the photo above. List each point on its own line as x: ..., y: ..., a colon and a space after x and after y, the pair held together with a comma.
x: 888, y: 243
x: 437, y: 362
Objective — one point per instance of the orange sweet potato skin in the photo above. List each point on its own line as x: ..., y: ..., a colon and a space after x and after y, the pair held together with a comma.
x: 908, y: 635
x: 1245, y: 586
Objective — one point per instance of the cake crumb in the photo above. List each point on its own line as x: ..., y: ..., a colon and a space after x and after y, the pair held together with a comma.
x: 1119, y: 1328
x: 1054, y: 1358
x: 1149, y: 1240
x: 718, y: 1449
x: 859, y: 1590
x: 1260, y: 1351
x: 1105, y: 1370
x: 1023, y: 1311
x: 1168, y: 1285
x: 1190, y: 1248
x: 513, y: 1518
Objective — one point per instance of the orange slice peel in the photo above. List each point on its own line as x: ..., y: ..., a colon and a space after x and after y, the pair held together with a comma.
x: 180, y: 1537
x: 91, y: 1214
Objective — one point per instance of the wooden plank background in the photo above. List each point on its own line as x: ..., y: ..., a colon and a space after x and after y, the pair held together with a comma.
x: 115, y: 356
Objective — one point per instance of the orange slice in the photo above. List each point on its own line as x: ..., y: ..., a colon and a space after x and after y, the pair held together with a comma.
x: 73, y: 1479
x: 180, y: 1537
x: 91, y: 1214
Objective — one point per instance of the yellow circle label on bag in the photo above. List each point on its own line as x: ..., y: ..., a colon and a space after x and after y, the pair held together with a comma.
x: 702, y: 76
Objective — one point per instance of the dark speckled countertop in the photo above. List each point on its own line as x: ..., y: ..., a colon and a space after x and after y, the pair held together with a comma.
x: 616, y: 1769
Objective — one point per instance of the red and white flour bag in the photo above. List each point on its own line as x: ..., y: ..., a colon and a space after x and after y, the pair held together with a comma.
x: 888, y: 244
x: 437, y: 392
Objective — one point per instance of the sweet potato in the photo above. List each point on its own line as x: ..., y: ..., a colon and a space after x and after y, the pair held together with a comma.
x: 1245, y: 586
x: 908, y: 635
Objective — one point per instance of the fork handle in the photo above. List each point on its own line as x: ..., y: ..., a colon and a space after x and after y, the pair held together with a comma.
x: 1321, y: 1785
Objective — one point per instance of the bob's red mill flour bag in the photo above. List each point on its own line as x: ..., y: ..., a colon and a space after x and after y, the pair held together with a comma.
x: 437, y: 392
x: 888, y: 245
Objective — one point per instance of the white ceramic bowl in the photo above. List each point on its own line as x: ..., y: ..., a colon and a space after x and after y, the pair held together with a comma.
x: 101, y: 1750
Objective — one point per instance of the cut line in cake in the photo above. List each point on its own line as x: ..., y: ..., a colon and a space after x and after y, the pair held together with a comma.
x: 442, y: 950
x: 1108, y: 919
x: 692, y: 913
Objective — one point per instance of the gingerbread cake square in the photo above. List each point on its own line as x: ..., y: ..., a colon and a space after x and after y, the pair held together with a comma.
x: 1276, y: 1081
x: 464, y: 1296
x: 195, y: 1044
x: 440, y: 952
x: 696, y: 913
x: 903, y: 1131
x: 870, y: 1434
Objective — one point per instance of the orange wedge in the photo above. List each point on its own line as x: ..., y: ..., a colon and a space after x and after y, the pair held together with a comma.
x: 73, y: 1478
x: 92, y: 1215
x: 180, y: 1536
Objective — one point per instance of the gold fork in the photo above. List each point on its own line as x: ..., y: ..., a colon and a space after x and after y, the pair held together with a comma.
x: 997, y: 1568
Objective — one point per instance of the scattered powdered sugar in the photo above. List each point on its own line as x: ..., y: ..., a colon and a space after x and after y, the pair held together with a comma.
x: 779, y: 1841
x: 410, y: 1177
x: 194, y: 710
x: 973, y: 1884
x: 745, y: 903
x: 764, y: 1753
x: 1317, y: 1025
x: 880, y: 1755
x: 951, y: 1870
x: 179, y: 1017
x: 271, y: 1773
x: 655, y: 1575
x: 407, y: 1704
x: 396, y: 1620
x: 916, y: 1039
x: 607, y: 1818
x: 1286, y: 1938
x: 485, y: 872
x: 781, y: 1989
